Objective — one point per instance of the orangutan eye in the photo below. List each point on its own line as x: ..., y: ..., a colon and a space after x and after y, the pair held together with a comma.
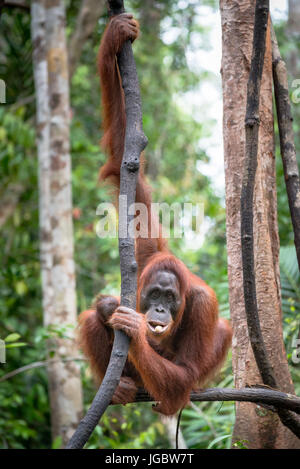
x: 155, y: 294
x: 170, y: 296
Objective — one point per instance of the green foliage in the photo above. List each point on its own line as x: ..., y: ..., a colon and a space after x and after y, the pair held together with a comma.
x: 24, y: 411
x: 130, y: 427
x: 11, y: 341
x: 172, y: 156
x: 209, y: 425
x: 16, y: 57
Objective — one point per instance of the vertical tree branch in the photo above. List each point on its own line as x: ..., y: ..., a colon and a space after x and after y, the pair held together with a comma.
x: 287, y: 142
x: 247, y: 196
x: 135, y: 142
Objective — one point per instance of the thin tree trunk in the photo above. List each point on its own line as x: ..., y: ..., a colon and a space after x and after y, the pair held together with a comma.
x: 170, y: 424
x: 56, y: 235
x: 259, y: 427
x: 65, y: 384
x: 150, y: 17
x: 88, y: 16
x: 38, y: 34
x: 135, y: 143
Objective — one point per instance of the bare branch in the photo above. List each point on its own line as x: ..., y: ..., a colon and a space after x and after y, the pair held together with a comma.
x: 247, y: 196
x: 256, y: 394
x: 34, y: 365
x: 135, y: 142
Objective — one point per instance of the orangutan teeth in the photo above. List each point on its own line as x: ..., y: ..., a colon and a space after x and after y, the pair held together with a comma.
x: 157, y: 328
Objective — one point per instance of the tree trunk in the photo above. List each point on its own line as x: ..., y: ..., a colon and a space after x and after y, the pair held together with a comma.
x: 170, y: 424
x: 38, y: 34
x: 88, y: 16
x: 56, y: 234
x: 259, y: 427
x: 150, y: 17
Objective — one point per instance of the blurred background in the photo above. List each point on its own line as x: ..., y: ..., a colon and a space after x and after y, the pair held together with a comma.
x: 178, y: 59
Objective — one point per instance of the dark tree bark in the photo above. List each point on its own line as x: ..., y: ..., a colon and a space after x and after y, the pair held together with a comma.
x: 247, y: 240
x: 135, y: 142
x: 260, y: 427
x: 252, y: 124
x: 262, y: 395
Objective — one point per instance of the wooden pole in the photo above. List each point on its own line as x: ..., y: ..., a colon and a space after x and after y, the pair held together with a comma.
x: 135, y: 142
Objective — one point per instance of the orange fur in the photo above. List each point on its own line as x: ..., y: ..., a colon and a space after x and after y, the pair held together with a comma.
x: 198, y: 340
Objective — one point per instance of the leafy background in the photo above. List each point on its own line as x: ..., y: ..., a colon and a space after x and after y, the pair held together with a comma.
x: 173, y: 153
